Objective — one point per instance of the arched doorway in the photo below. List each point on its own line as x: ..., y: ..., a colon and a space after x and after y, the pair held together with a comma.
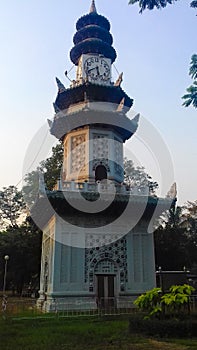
x: 106, y: 272
x: 100, y: 173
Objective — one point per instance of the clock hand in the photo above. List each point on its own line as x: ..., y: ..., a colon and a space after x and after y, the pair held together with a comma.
x: 89, y: 70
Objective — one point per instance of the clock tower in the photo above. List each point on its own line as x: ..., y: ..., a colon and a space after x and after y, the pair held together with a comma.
x: 97, y: 249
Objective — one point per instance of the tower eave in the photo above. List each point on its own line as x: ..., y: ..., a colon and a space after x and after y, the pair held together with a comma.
x: 93, y: 18
x: 92, y: 46
x: 119, y: 122
x: 60, y: 206
x: 92, y: 92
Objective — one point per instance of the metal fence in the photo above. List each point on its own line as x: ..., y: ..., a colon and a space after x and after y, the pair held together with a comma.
x: 28, y: 308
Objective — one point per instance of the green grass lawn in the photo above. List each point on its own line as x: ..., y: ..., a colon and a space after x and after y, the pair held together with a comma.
x: 80, y: 333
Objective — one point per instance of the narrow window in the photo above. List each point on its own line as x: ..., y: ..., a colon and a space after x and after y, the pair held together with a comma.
x: 100, y: 173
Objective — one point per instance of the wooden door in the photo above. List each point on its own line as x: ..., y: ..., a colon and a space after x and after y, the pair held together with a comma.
x: 105, y: 290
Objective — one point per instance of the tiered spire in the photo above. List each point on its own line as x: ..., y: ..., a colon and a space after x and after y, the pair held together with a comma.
x: 92, y: 36
x: 93, y: 7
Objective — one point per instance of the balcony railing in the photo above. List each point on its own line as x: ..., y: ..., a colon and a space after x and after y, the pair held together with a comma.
x: 105, y: 187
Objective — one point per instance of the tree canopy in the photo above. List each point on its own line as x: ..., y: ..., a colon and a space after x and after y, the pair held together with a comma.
x: 151, y: 4
x: 137, y: 177
x: 23, y: 246
x: 158, y: 4
x: 191, y: 96
x: 176, y: 238
x: 12, y: 206
x: 50, y: 169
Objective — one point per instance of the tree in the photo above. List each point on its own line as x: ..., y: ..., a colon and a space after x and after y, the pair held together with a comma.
x: 193, y: 4
x: 191, y: 96
x: 190, y: 224
x: 51, y: 167
x: 151, y: 4
x: 137, y: 177
x: 171, y: 248
x: 172, y: 218
x: 158, y: 4
x: 176, y: 238
x: 23, y: 245
x: 31, y: 187
x: 193, y: 67
x: 51, y: 170
x: 12, y: 206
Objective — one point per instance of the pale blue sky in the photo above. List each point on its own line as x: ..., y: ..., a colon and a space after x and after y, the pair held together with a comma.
x: 154, y: 51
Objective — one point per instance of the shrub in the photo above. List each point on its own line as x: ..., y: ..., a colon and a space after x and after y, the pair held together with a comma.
x: 163, y: 328
x: 173, y: 303
x: 150, y: 302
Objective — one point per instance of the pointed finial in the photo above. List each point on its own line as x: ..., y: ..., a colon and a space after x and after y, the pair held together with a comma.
x: 56, y: 108
x: 119, y: 80
x: 172, y: 193
x: 136, y: 119
x: 49, y: 123
x: 61, y: 87
x: 93, y: 7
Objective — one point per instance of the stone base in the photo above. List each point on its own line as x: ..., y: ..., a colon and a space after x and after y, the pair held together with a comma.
x: 83, y: 304
x: 67, y: 303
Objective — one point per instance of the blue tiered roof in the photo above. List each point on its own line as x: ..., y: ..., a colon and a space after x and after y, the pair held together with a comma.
x: 92, y: 37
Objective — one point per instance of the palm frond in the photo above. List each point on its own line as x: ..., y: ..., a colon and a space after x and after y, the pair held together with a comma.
x: 191, y: 96
x: 193, y: 67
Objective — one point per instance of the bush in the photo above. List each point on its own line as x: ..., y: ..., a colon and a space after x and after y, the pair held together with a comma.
x: 175, y: 303
x: 164, y: 328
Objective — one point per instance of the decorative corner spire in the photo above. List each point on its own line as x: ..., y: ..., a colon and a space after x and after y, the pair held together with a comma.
x: 93, y: 7
x: 56, y: 108
x: 121, y: 105
x: 61, y: 87
x: 136, y: 119
x: 49, y: 123
x: 172, y: 193
x: 119, y: 80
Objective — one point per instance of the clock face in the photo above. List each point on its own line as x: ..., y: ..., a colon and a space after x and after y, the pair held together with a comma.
x: 97, y: 69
